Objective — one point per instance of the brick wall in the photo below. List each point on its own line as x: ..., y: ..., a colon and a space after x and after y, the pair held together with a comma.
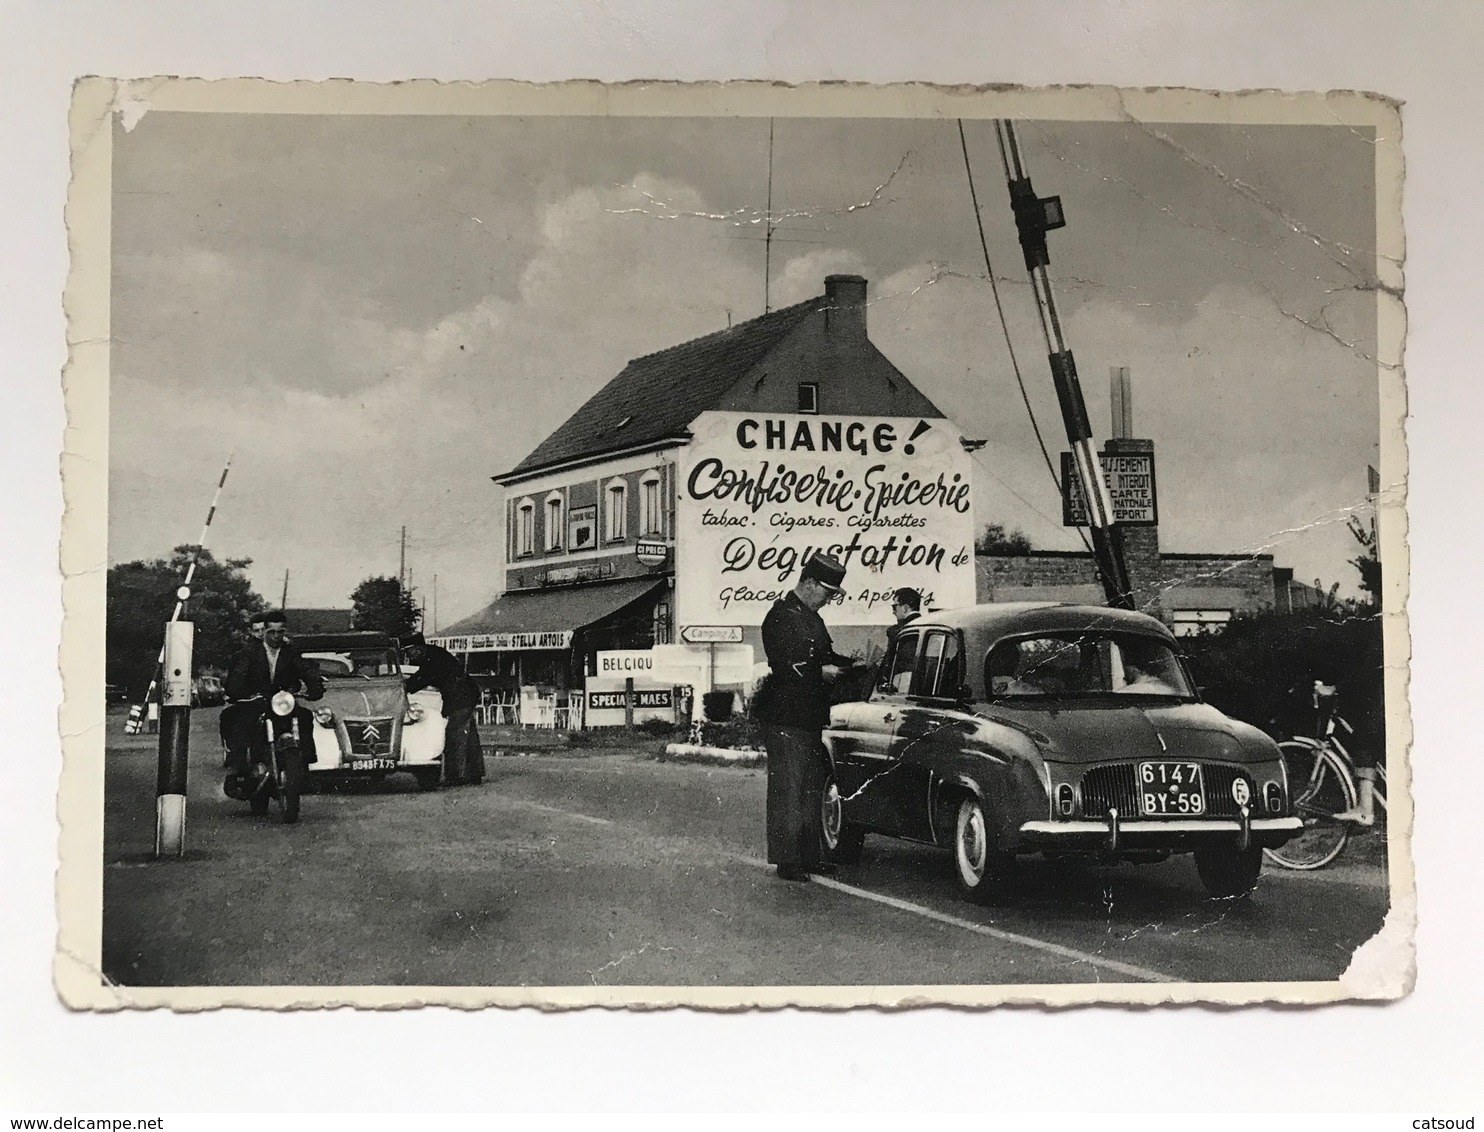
x: 1242, y: 583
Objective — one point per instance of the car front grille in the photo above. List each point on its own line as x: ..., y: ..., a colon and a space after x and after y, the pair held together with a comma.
x: 1219, y: 801
x: 1116, y: 785
x: 370, y: 737
x: 1110, y: 787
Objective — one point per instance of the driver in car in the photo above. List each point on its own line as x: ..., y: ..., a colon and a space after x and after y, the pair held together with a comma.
x: 256, y: 673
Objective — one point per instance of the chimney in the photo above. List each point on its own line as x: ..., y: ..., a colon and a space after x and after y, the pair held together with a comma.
x: 845, y: 305
x: 1122, y: 390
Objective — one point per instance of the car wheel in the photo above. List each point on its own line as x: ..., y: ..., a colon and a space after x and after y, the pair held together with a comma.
x: 427, y: 778
x: 982, y: 870
x: 840, y: 839
x: 1229, y: 874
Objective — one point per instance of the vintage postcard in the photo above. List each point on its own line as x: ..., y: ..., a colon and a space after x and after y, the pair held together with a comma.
x: 733, y: 546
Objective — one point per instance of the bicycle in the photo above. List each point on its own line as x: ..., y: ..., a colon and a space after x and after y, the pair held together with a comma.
x: 1321, y: 782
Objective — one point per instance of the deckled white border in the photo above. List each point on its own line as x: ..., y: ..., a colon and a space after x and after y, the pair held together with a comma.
x: 1384, y: 968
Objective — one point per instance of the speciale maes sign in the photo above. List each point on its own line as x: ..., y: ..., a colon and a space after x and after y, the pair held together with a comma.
x: 890, y: 497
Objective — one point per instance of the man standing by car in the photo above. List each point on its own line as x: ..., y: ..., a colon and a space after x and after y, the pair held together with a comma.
x: 905, y: 604
x: 463, y: 761
x: 793, y: 708
x: 256, y: 673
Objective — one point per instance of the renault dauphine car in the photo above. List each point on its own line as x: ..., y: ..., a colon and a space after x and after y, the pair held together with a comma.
x: 366, y: 724
x: 1005, y: 730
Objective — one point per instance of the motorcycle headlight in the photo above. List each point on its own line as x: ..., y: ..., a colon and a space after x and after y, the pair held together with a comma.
x: 413, y: 714
x: 324, y: 717
x: 283, y: 703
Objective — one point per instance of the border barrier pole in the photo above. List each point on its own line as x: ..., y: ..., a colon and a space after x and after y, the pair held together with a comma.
x: 175, y: 738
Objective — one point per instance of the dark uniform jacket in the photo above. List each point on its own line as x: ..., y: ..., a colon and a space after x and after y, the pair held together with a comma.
x: 440, y: 669
x: 798, y: 646
x: 248, y: 674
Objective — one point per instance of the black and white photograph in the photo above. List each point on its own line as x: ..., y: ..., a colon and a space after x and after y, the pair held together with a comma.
x: 733, y: 545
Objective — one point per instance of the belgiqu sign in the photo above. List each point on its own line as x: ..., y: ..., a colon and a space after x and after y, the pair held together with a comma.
x: 888, y: 496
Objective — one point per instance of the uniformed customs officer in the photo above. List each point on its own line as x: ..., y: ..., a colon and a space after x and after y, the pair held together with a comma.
x: 793, y: 708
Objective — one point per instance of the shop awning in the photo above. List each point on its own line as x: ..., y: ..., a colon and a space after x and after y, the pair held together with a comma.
x: 543, y: 619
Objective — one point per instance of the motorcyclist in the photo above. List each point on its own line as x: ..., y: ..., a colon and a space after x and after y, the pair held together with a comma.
x: 256, y: 673
x: 226, y: 721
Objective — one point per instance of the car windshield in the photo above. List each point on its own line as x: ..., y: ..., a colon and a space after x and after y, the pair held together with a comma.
x: 354, y: 664
x: 1068, y: 665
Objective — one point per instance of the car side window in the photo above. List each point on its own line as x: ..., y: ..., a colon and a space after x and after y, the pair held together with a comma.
x: 929, y: 661
x: 950, y: 671
x: 937, y: 675
x: 903, y: 660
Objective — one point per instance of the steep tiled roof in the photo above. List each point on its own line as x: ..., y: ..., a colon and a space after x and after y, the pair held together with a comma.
x: 658, y: 395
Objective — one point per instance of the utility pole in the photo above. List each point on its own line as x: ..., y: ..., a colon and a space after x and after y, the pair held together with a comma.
x: 284, y: 604
x: 1034, y: 217
x: 768, y: 229
x: 435, y: 602
x: 402, y: 566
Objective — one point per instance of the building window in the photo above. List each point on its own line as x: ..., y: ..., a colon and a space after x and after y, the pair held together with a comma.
x: 582, y: 528
x: 554, y: 521
x: 1193, y: 622
x: 525, y: 528
x: 616, y: 518
x: 808, y: 396
x: 651, y: 516
x: 662, y: 623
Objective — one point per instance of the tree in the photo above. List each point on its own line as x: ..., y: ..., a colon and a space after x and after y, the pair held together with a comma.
x: 385, y: 605
x: 1368, y: 561
x: 141, y: 597
x: 995, y: 540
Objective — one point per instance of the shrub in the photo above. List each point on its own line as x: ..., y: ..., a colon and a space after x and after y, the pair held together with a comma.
x: 1262, y: 669
x: 737, y: 734
x: 655, y: 728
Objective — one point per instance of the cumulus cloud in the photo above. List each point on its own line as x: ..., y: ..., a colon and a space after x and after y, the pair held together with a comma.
x: 349, y: 431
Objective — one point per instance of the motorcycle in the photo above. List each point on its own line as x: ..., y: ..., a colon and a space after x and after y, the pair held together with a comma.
x: 277, y: 767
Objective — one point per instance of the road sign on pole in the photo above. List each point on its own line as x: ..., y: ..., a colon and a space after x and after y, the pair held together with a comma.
x: 711, y: 634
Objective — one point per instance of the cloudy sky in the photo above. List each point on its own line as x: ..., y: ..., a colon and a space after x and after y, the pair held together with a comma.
x: 376, y: 314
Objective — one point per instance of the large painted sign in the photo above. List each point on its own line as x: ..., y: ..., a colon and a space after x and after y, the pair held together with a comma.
x: 889, y: 497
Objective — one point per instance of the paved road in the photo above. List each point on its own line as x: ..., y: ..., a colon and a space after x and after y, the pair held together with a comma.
x: 611, y: 868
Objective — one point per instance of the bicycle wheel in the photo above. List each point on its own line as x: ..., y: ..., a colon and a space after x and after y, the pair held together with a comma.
x: 1321, y: 787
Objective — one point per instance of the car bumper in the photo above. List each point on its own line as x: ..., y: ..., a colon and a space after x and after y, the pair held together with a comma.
x: 1113, y: 834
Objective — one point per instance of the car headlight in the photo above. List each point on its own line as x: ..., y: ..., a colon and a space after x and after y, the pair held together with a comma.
x: 283, y: 703
x: 324, y: 717
x: 412, y: 714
